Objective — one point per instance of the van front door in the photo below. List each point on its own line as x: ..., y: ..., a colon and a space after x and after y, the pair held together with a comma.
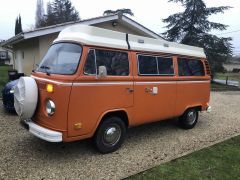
x: 93, y: 95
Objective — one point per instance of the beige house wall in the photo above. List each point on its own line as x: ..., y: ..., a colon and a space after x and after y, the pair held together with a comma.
x: 11, y: 58
x: 29, y: 55
x: 44, y: 43
x: 32, y: 51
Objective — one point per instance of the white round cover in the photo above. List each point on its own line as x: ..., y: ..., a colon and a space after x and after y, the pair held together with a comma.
x: 25, y: 97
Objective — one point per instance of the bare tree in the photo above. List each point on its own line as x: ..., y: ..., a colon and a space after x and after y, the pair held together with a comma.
x: 50, y: 16
x: 39, y: 18
x: 61, y: 11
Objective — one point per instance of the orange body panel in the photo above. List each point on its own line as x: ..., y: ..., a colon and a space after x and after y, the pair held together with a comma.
x: 147, y: 106
x: 192, y: 92
x: 84, y: 100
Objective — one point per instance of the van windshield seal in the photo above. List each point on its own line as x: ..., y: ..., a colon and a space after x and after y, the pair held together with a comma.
x: 61, y: 58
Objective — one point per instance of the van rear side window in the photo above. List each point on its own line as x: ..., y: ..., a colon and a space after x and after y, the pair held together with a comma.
x: 155, y: 66
x: 190, y: 67
x: 116, y: 63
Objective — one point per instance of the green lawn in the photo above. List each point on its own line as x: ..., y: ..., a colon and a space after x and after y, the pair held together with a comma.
x: 3, y: 75
x: 231, y: 76
x: 221, y: 161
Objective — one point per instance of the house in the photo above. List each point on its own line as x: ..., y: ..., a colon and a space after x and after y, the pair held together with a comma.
x: 30, y: 47
x: 5, y: 56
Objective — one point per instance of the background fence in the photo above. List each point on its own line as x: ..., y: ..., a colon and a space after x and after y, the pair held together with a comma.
x: 228, y: 78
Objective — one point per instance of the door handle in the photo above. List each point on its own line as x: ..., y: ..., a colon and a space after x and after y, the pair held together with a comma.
x: 152, y: 91
x: 148, y: 90
x: 130, y: 90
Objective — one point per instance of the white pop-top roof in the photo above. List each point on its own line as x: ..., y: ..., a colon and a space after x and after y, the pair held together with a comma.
x: 90, y: 35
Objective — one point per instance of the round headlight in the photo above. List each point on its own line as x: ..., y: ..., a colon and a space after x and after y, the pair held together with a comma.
x: 11, y: 91
x: 50, y: 107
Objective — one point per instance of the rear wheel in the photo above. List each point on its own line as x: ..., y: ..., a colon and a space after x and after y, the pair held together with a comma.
x: 189, y: 119
x: 110, y: 135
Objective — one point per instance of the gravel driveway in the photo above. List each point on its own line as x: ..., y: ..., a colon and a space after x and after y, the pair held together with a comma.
x: 23, y: 156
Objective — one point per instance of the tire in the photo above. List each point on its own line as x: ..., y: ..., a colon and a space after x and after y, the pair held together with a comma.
x: 25, y: 97
x: 104, y: 139
x: 189, y: 119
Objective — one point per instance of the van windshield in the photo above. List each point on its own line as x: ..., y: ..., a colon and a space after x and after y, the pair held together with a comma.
x: 61, y: 58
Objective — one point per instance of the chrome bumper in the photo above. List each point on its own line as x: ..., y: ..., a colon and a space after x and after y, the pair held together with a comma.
x: 209, y: 109
x: 41, y: 132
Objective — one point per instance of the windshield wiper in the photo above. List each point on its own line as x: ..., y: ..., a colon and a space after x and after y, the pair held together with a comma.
x: 46, y: 68
x: 36, y: 66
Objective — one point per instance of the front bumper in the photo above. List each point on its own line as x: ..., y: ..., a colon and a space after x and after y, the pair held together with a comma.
x: 41, y: 132
x: 209, y: 109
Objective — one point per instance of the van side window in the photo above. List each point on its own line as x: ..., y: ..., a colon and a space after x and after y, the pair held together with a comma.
x: 147, y: 65
x: 90, y: 66
x: 116, y: 63
x: 190, y: 67
x: 165, y: 66
x: 153, y: 65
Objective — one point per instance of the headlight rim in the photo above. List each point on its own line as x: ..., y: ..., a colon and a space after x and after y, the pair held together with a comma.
x: 50, y: 107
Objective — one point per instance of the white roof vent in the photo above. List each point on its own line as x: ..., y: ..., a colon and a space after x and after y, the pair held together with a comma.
x: 141, y: 41
x: 166, y: 45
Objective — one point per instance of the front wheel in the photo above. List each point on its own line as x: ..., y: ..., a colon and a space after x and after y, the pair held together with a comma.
x: 189, y: 119
x: 110, y: 135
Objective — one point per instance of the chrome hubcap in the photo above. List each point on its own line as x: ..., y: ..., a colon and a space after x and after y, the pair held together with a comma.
x: 112, y: 135
x: 191, y: 117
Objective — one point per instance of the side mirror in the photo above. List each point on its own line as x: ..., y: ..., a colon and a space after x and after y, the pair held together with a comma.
x: 102, y: 71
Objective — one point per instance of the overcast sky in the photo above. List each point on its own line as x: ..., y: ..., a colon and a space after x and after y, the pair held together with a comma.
x: 147, y: 12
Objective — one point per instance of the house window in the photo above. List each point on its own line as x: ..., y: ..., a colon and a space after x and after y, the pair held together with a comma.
x: 190, y: 67
x: 3, y: 55
x: 116, y: 62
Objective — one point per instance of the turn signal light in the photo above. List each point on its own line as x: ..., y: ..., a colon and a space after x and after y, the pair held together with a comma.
x: 49, y: 88
x: 78, y: 126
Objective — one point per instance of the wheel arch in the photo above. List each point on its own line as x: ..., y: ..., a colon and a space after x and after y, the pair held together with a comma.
x: 122, y: 113
x: 196, y: 106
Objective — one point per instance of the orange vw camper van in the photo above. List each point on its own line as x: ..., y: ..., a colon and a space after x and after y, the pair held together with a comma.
x: 97, y: 83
